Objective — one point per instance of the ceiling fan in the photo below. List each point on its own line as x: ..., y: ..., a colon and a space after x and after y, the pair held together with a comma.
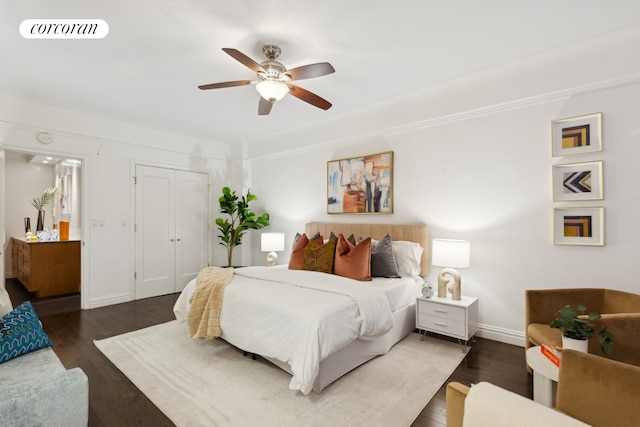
x: 274, y: 79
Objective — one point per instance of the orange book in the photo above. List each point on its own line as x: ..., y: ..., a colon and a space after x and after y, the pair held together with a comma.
x: 551, y: 352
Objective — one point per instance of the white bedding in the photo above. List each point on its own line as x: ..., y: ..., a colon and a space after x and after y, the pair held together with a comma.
x: 301, y: 317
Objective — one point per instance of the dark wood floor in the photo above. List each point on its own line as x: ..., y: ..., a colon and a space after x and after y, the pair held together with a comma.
x: 115, y: 401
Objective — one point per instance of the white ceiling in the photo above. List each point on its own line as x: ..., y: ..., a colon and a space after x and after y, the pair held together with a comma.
x: 157, y: 52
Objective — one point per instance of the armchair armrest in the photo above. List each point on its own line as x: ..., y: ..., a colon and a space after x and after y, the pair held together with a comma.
x: 599, y: 391
x: 456, y: 393
x: 60, y: 400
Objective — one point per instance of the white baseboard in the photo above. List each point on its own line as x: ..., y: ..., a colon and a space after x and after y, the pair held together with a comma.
x: 507, y: 336
x: 110, y: 300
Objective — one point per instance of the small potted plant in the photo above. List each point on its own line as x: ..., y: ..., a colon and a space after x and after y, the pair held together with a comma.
x: 574, y: 324
x: 241, y: 218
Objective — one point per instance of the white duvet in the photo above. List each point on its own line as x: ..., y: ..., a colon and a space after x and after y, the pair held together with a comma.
x: 298, y: 317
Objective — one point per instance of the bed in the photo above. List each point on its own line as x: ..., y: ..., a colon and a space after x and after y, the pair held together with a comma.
x: 318, y: 326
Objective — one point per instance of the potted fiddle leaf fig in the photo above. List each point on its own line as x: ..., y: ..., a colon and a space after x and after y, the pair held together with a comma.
x: 240, y: 219
x: 575, y: 324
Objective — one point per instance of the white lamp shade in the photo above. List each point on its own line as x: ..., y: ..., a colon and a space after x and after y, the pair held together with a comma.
x: 272, y: 90
x: 451, y: 253
x: 272, y: 242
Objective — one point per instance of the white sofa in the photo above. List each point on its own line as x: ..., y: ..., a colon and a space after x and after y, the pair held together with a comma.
x: 37, y: 390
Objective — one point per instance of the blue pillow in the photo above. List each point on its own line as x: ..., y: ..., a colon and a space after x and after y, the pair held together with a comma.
x: 21, y: 333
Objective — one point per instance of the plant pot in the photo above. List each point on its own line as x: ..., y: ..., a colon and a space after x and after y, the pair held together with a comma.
x: 573, y: 344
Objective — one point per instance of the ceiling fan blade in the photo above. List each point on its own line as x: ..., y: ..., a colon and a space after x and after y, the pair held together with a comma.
x: 310, y: 71
x: 226, y: 84
x: 264, y: 107
x: 244, y: 59
x: 309, y: 97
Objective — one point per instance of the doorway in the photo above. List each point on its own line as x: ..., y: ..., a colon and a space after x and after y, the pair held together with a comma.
x: 25, y: 175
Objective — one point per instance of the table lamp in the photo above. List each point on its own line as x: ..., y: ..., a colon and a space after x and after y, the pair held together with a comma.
x: 272, y: 243
x: 450, y: 254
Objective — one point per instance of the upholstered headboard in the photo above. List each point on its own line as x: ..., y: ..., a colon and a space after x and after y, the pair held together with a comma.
x: 418, y: 233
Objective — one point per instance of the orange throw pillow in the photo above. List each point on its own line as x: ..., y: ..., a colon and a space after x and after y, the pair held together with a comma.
x: 353, y: 261
x: 297, y: 253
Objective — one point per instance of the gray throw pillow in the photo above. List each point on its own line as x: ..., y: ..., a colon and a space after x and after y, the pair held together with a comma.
x: 383, y: 263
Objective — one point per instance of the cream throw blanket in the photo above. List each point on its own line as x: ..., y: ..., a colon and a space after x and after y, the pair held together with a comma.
x: 203, y: 318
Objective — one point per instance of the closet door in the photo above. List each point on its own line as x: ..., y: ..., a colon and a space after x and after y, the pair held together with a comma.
x: 192, y: 209
x: 171, y: 238
x: 154, y: 232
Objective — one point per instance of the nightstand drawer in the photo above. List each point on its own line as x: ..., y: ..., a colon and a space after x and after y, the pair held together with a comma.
x: 453, y: 328
x: 441, y: 310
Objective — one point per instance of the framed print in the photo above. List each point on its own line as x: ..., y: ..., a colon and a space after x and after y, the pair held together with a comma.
x: 577, y: 181
x: 361, y: 185
x: 578, y: 226
x: 576, y: 135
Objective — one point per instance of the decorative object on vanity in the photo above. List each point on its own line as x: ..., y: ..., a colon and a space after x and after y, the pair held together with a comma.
x: 450, y: 254
x: 362, y: 184
x: 274, y: 79
x: 576, y: 135
x: 578, y: 181
x: 27, y: 225
x: 272, y: 243
x: 41, y: 202
x: 241, y: 219
x: 576, y: 326
x: 583, y: 226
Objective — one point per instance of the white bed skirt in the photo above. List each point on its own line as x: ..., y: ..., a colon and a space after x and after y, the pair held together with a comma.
x: 360, y: 351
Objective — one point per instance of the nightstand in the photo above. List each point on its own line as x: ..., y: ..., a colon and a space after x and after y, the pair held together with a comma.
x: 457, y: 319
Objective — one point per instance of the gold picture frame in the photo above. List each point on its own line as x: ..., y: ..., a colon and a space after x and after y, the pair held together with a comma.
x: 578, y: 181
x: 576, y: 135
x: 360, y: 185
x: 581, y: 226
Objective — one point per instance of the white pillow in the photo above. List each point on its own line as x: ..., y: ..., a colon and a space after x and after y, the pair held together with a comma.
x: 408, y: 256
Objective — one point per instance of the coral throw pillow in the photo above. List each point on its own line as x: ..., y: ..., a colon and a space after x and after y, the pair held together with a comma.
x: 353, y: 261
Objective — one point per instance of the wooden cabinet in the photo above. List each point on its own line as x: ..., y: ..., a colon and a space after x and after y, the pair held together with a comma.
x: 454, y: 318
x: 47, y: 268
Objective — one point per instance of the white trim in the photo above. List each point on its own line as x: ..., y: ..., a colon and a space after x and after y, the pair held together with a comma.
x: 110, y: 300
x: 495, y: 333
x: 456, y: 117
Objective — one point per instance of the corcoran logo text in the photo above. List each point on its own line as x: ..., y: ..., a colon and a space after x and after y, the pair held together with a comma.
x: 64, y: 29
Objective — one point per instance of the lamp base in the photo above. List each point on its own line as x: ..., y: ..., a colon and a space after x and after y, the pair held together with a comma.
x: 272, y: 259
x: 455, y: 288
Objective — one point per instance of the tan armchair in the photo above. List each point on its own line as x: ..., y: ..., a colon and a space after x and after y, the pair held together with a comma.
x: 592, y: 389
x: 620, y: 313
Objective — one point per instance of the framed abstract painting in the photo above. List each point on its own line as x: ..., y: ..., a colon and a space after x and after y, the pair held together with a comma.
x: 578, y: 181
x: 360, y: 185
x: 576, y: 135
x: 578, y: 226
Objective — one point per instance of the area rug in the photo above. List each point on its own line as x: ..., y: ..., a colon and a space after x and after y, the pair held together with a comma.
x: 198, y: 383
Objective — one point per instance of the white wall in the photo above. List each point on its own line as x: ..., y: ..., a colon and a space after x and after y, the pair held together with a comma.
x: 109, y: 150
x: 472, y: 160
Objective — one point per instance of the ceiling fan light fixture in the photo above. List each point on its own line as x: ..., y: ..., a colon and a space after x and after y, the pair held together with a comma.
x: 272, y: 90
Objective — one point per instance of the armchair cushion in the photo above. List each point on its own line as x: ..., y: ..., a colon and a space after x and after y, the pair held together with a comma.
x: 592, y: 389
x: 489, y: 405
